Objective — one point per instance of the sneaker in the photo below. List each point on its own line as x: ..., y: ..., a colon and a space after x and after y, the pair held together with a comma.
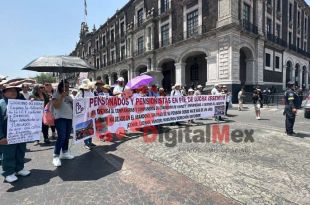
x: 56, y: 162
x: 66, y: 155
x: 11, y: 178
x: 87, y: 147
x: 36, y: 143
x: 23, y: 173
x: 258, y: 118
x: 92, y: 145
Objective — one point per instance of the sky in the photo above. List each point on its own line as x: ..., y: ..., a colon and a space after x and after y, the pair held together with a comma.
x: 33, y: 28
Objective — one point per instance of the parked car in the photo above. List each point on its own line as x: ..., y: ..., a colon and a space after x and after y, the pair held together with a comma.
x: 307, y: 107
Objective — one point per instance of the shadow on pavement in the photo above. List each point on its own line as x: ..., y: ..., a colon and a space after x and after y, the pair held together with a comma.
x: 87, y: 167
x: 302, y: 135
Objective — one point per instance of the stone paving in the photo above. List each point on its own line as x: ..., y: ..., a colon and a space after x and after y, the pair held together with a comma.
x: 272, y: 170
x: 110, y: 174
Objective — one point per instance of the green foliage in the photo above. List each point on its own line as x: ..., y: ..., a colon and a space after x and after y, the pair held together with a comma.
x: 45, y: 78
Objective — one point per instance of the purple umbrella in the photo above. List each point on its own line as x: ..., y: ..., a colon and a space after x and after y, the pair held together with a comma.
x: 139, y: 81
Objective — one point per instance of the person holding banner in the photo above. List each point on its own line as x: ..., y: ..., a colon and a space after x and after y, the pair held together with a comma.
x: 85, y: 89
x: 39, y: 95
x: 13, y: 154
x: 119, y: 88
x: 63, y: 112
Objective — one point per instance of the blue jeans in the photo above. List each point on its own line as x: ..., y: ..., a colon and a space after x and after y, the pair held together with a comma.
x: 63, y: 127
x: 13, y: 158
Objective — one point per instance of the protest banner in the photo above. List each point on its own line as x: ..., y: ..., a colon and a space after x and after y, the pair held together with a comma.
x: 103, y: 115
x: 24, y: 121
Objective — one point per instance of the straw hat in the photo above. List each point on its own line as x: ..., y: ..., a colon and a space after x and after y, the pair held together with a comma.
x: 199, y: 86
x: 191, y: 90
x: 86, y: 84
x: 11, y: 85
x: 106, y: 86
x: 120, y: 79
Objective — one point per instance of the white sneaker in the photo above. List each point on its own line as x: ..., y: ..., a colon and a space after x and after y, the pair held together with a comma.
x: 11, y: 178
x: 258, y: 118
x: 56, y: 162
x: 66, y: 155
x: 23, y: 173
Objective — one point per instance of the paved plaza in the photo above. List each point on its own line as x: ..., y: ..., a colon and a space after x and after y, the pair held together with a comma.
x: 274, y: 169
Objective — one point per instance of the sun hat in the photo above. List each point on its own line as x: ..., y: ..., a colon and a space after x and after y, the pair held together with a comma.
x: 190, y: 90
x: 120, y: 79
x: 199, y: 86
x: 86, y: 84
x: 106, y: 86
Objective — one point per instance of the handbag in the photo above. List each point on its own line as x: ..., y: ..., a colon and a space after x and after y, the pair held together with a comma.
x: 48, y: 117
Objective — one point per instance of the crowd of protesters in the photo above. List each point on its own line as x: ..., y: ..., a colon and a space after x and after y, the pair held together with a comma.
x: 59, y: 101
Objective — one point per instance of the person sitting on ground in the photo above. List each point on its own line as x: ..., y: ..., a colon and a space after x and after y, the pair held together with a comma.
x: 38, y: 94
x: 119, y: 88
x: 13, y: 154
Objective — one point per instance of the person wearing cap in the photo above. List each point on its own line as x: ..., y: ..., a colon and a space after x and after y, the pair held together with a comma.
x: 119, y: 88
x: 63, y: 113
x: 290, y: 109
x: 198, y: 91
x: 13, y: 154
x: 177, y: 90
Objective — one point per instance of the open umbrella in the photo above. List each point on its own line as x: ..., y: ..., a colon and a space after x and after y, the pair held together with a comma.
x: 139, y: 81
x: 157, y: 75
x: 59, y: 64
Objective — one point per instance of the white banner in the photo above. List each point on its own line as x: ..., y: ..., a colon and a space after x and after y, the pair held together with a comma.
x: 24, y: 121
x: 103, y: 115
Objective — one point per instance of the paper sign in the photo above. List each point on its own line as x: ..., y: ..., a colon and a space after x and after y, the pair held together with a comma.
x: 24, y: 121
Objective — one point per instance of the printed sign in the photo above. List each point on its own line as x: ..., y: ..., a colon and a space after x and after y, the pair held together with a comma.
x: 24, y: 121
x: 105, y: 115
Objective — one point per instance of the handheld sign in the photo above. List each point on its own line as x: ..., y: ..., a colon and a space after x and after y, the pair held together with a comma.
x: 24, y: 121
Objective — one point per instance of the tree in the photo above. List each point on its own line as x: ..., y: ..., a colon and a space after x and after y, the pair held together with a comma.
x: 45, y: 78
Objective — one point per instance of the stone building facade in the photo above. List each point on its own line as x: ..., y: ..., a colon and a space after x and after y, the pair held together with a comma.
x: 232, y: 42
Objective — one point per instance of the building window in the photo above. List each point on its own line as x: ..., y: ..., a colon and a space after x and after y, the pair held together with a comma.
x: 112, y: 35
x: 97, y: 45
x: 104, y: 60
x: 140, y: 17
x: 298, y: 19
x: 269, y: 26
x: 305, y: 46
x: 164, y: 5
x: 298, y: 42
x: 194, y: 75
x: 103, y: 41
x: 290, y: 38
x: 165, y: 35
x: 268, y: 57
x: 278, y: 31
x: 278, y: 5
x: 246, y: 13
x: 290, y: 12
x: 112, y: 57
x: 122, y: 28
x: 277, y: 62
x: 192, y: 23
x: 269, y: 2
x: 140, y: 45
x: 89, y: 50
x: 305, y: 27
x: 98, y: 63
x: 123, y: 48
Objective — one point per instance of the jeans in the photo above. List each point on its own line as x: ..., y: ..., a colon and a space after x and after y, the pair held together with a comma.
x: 45, y: 131
x: 63, y: 127
x: 13, y: 158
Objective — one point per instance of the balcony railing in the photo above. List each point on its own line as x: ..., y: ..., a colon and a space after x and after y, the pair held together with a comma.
x: 248, y: 26
x: 299, y: 50
x: 276, y: 39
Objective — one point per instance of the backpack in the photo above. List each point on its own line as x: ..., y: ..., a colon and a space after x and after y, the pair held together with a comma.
x: 48, y: 117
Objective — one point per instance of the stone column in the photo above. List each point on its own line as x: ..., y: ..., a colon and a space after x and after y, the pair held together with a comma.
x: 212, y: 72
x: 293, y: 74
x: 259, y: 16
x: 228, y: 11
x: 251, y: 78
x: 284, y: 77
x: 300, y: 76
x: 152, y: 37
x: 180, y: 73
x: 307, y: 79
